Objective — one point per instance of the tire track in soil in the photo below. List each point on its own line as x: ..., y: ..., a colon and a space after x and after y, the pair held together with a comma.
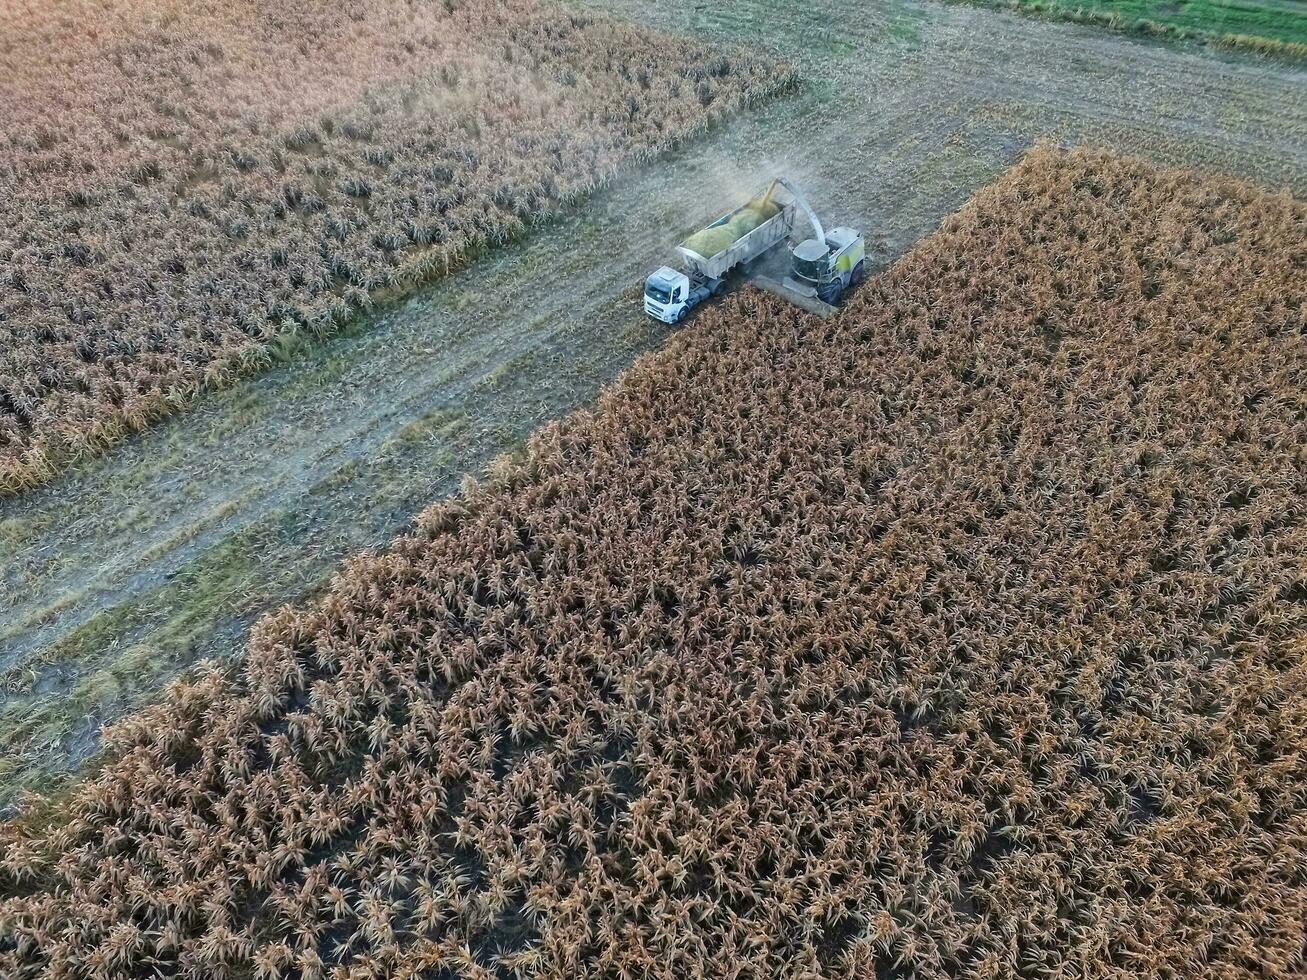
x: 909, y: 108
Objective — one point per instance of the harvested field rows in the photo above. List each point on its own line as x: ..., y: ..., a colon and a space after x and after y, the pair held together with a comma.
x: 959, y: 635
x: 186, y: 187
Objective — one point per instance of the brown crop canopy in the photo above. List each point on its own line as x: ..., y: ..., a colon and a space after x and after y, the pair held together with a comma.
x: 958, y: 635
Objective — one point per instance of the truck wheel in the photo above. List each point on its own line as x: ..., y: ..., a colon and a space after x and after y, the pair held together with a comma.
x: 680, y: 314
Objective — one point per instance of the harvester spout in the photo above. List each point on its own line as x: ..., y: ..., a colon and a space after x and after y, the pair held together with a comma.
x: 818, y: 232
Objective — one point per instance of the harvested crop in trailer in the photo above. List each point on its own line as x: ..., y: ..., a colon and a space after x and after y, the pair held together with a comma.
x: 186, y: 187
x: 713, y: 239
x: 959, y: 635
x: 709, y: 241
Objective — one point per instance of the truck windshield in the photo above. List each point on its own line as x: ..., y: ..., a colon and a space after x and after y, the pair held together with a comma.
x: 657, y: 295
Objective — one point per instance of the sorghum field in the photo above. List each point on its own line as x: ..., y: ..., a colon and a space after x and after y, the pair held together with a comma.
x: 186, y: 187
x: 959, y: 635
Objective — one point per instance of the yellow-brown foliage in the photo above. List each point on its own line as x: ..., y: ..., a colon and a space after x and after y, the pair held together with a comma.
x: 962, y: 632
x: 186, y: 186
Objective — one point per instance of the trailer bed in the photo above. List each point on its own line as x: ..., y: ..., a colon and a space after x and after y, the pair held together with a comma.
x: 749, y: 246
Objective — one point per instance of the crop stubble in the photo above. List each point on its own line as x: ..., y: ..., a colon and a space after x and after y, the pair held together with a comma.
x: 960, y: 634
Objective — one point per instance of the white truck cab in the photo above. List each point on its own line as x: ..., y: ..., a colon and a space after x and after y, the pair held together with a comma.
x: 667, y: 295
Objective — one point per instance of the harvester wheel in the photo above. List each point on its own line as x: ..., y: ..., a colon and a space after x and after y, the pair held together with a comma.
x: 859, y: 273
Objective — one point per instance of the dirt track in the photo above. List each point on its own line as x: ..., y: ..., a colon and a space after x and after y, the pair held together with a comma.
x: 135, y: 565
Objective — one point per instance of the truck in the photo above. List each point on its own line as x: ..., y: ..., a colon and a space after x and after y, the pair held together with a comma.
x: 669, y: 294
x: 822, y: 266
